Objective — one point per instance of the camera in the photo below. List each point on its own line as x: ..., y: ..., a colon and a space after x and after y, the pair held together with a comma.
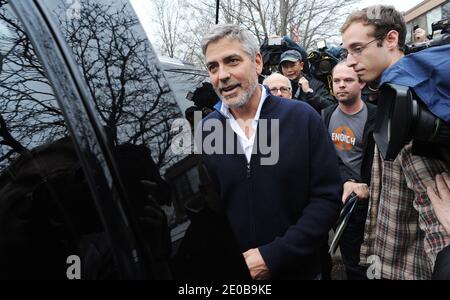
x: 204, y: 98
x: 414, y: 100
x: 271, y: 50
x: 402, y: 116
x: 414, y: 105
x: 322, y: 61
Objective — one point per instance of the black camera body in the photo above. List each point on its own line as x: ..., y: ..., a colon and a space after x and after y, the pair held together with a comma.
x: 271, y: 51
x: 322, y: 62
x: 413, y: 103
x: 403, y: 117
x: 318, y: 63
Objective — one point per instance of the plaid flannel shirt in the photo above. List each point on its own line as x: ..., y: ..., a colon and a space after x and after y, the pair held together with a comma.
x: 402, y: 233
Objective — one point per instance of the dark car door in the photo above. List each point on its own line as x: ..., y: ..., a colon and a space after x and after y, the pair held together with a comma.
x: 87, y: 166
x: 47, y: 123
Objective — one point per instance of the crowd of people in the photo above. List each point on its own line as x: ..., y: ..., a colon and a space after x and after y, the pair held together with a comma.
x: 282, y: 213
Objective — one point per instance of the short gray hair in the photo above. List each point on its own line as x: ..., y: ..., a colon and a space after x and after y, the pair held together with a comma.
x: 234, y: 32
x: 274, y: 75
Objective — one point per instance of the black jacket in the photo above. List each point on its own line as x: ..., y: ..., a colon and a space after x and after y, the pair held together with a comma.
x: 285, y: 209
x: 319, y: 99
x: 442, y: 265
x: 368, y: 145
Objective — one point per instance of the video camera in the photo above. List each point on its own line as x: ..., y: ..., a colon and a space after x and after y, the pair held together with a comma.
x: 319, y: 63
x: 436, y: 39
x: 402, y: 116
x: 414, y: 105
x: 322, y: 61
x: 204, y: 98
x: 273, y: 47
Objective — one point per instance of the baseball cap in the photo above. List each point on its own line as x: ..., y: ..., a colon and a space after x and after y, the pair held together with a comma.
x: 290, y: 55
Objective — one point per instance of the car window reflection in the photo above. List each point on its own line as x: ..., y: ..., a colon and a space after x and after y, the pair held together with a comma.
x: 43, y: 190
x: 29, y: 115
x: 136, y: 103
x: 132, y: 96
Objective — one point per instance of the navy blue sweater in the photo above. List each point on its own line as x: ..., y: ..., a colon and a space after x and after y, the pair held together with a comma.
x: 287, y: 209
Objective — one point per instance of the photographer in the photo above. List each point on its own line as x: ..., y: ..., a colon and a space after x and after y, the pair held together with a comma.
x: 273, y: 47
x: 401, y: 232
x: 304, y: 87
x: 420, y: 35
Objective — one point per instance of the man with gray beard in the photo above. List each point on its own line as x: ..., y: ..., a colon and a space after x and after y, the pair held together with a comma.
x: 280, y: 210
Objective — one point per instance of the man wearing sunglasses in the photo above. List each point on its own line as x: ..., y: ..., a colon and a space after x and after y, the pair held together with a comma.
x: 402, y: 234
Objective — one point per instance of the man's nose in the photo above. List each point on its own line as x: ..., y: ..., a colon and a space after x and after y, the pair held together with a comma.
x: 224, y: 74
x: 350, y: 61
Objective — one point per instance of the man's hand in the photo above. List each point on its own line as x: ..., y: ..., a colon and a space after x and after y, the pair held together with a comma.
x: 439, y: 194
x: 304, y: 83
x: 256, y: 265
x: 360, y: 189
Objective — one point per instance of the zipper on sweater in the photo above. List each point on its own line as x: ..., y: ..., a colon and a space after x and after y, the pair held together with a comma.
x: 251, y: 204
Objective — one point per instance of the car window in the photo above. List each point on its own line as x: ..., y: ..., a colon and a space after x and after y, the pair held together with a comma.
x: 137, y: 105
x: 134, y: 99
x: 29, y: 114
x: 43, y: 191
x: 131, y: 95
x: 184, y: 79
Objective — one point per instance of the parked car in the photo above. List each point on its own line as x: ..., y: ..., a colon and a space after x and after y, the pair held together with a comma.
x: 85, y: 144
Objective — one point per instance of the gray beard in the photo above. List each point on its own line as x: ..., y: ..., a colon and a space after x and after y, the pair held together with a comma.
x: 245, y: 97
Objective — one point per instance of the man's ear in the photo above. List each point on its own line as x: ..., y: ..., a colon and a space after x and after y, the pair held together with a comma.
x: 302, y: 64
x: 392, y: 39
x: 362, y: 85
x: 259, y: 63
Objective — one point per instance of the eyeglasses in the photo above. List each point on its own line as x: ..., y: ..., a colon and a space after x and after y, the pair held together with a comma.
x: 282, y: 89
x: 356, y: 50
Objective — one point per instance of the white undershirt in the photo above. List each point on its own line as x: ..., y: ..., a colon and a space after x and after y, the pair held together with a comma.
x: 246, y: 143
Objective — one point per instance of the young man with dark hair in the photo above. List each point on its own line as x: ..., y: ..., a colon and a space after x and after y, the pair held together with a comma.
x: 402, y: 233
